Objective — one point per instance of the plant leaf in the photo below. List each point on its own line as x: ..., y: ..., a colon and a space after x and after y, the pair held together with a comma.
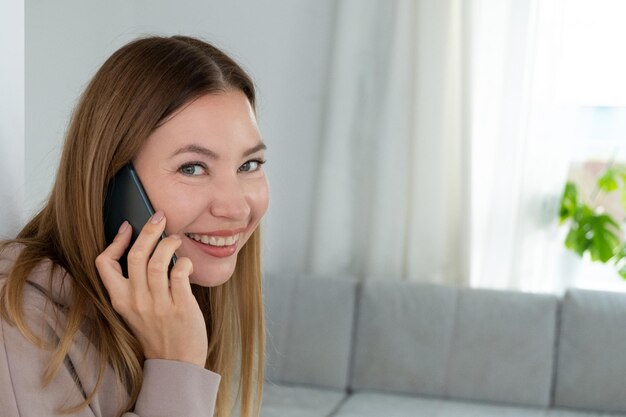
x: 604, y: 242
x: 608, y: 181
x: 621, y: 173
x: 594, y: 233
x: 577, y: 239
x: 569, y: 202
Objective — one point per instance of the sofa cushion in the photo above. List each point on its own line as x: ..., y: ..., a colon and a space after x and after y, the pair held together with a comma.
x: 591, y: 372
x: 403, y: 337
x: 503, y: 347
x: 367, y: 404
x: 309, y: 321
x: 298, y: 401
x: 559, y: 412
x: 470, y: 344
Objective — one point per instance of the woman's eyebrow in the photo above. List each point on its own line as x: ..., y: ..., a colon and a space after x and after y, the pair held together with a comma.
x: 258, y: 147
x: 195, y: 148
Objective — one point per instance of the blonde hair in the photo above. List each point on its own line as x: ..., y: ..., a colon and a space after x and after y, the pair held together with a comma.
x: 135, y: 90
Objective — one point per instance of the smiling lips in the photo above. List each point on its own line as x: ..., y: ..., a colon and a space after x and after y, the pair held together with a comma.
x: 218, y: 247
x: 215, y: 240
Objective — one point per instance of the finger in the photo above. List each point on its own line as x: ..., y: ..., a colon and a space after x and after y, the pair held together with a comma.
x: 179, y: 280
x: 108, y: 266
x: 107, y: 262
x: 113, y: 281
x: 158, y: 266
x: 116, y: 249
x: 140, y: 252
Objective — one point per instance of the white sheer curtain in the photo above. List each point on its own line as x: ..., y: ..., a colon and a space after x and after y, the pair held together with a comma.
x: 11, y: 116
x: 519, y: 161
x: 392, y: 195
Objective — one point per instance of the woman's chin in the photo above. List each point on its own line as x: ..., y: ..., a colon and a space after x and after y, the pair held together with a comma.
x: 208, y: 271
x: 211, y: 275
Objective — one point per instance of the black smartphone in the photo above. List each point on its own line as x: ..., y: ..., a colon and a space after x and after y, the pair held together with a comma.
x: 127, y: 200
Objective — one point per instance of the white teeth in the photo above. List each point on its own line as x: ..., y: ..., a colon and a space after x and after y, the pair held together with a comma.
x: 214, y: 240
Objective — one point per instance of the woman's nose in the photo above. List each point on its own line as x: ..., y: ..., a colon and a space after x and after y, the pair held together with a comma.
x: 228, y: 200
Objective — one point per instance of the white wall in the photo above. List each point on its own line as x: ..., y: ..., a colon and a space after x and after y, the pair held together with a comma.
x: 11, y: 116
x: 283, y: 44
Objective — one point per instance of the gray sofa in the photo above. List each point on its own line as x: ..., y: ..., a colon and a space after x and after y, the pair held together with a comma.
x: 395, y: 349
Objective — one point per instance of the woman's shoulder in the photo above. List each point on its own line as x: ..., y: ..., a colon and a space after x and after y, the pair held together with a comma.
x: 27, y: 347
x: 47, y: 282
x: 39, y: 306
x: 8, y: 256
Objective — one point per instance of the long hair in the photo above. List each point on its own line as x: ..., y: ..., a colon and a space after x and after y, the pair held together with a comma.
x: 138, y: 87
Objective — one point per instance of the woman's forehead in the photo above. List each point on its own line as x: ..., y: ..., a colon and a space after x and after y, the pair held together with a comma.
x: 216, y: 122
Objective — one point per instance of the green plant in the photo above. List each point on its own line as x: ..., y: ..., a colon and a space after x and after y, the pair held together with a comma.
x: 591, y: 229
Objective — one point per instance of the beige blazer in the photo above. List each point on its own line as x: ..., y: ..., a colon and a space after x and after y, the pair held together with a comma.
x: 169, y: 388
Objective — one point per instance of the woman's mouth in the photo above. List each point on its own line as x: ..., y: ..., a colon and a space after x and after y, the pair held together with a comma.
x: 215, y: 240
x: 218, y: 246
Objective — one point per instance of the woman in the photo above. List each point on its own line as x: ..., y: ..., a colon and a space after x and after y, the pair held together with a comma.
x: 78, y: 336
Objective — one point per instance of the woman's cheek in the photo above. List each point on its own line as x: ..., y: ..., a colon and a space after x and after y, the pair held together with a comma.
x: 182, y: 209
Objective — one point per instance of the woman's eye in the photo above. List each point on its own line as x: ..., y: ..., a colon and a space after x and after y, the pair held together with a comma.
x: 192, y: 170
x: 252, y: 165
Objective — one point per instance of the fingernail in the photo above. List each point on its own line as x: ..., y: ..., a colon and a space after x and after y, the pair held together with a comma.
x: 175, y: 236
x: 157, y: 217
x: 123, y: 227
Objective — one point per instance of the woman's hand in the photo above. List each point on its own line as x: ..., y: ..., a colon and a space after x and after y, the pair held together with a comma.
x: 166, y: 319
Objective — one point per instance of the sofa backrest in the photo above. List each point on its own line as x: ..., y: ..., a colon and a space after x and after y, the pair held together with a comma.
x: 470, y: 344
x: 309, y: 321
x: 591, y: 370
x: 403, y: 337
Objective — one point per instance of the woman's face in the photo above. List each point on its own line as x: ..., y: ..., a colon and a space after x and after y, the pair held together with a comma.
x: 201, y: 167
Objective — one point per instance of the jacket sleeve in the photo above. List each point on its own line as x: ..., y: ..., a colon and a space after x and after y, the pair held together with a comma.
x: 173, y: 388
x: 169, y: 388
